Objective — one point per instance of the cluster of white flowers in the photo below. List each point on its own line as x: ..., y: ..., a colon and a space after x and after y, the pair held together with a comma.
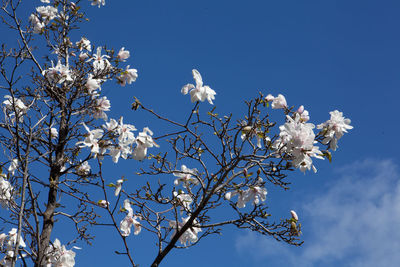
x: 185, y: 175
x: 58, y: 256
x: 5, y: 190
x: 199, y: 92
x: 297, y: 138
x: 13, y: 106
x: 44, y: 15
x: 129, y: 221
x: 58, y: 74
x: 11, y: 243
x: 184, y: 200
x: 125, y: 138
x: 334, y: 128
x: 255, y: 194
x: 190, y: 235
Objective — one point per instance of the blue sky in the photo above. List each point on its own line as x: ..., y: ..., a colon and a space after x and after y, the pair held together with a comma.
x: 325, y: 55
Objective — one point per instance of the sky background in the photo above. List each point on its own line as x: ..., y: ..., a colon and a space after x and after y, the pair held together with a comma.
x: 325, y: 55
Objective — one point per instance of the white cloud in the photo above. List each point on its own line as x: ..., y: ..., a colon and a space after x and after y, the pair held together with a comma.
x: 355, y: 222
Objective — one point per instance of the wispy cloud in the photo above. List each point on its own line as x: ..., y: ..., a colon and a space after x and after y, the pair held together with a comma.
x: 355, y: 222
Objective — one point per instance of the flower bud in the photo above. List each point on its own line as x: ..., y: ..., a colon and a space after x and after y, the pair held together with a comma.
x: 294, y: 215
x: 269, y: 98
x: 300, y: 109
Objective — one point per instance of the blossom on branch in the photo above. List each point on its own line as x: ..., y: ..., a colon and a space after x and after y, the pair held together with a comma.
x: 58, y: 74
x: 255, y: 194
x: 58, y: 255
x: 199, y: 92
x: 185, y: 175
x: 100, y: 62
x: 84, y: 44
x: 92, y: 139
x: 118, y: 187
x: 190, y: 235
x: 184, y: 200
x: 83, y: 169
x: 334, y: 128
x: 123, y: 54
x: 143, y: 141
x: 127, y: 76
x: 277, y: 102
x: 297, y: 139
x: 102, y: 105
x: 92, y: 85
x: 38, y: 26
x: 47, y: 13
x: 5, y: 191
x: 129, y: 221
x: 98, y: 2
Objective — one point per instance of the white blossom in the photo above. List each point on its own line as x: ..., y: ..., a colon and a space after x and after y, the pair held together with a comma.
x: 190, y: 235
x: 123, y: 54
x: 83, y: 56
x: 143, y: 141
x: 118, y: 187
x: 129, y: 221
x: 121, y: 150
x: 102, y: 105
x: 199, y: 92
x: 92, y: 139
x: 13, y: 166
x: 334, y: 128
x: 12, y: 106
x: 297, y: 139
x: 100, y: 62
x: 111, y: 126
x: 277, y: 102
x: 53, y: 133
x: 47, y: 13
x: 3, y: 237
x: 92, y: 85
x: 5, y: 191
x: 103, y: 203
x: 128, y: 76
x: 294, y: 215
x: 58, y: 74
x: 98, y: 2
x: 125, y: 132
x: 255, y: 194
x: 185, y: 175
x: 59, y: 256
x: 38, y: 26
x: 83, y: 169
x: 12, y: 241
x: 184, y: 200
x: 304, y: 114
x: 84, y: 43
